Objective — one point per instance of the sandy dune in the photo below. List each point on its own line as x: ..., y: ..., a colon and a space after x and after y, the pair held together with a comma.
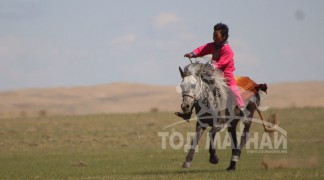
x: 125, y: 97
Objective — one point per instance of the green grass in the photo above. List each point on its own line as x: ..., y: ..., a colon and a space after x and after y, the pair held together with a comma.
x: 127, y: 146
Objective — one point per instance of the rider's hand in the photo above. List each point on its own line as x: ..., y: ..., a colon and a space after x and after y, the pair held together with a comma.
x: 189, y: 55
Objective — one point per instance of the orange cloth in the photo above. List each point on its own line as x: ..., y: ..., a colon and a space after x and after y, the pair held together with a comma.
x: 247, y: 87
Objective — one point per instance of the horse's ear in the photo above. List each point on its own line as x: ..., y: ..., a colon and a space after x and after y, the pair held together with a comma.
x: 181, y: 72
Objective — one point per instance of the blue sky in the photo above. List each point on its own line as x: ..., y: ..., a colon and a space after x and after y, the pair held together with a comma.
x: 81, y: 42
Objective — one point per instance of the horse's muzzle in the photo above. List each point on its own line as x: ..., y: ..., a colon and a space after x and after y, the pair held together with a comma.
x: 186, y: 107
x: 187, y: 104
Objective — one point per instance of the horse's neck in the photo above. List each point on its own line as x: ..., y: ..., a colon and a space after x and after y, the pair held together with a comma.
x: 207, y: 93
x: 218, y: 102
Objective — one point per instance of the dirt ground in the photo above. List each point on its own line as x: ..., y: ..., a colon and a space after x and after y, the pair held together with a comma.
x: 125, y: 97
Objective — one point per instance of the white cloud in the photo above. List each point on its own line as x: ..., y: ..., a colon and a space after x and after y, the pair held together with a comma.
x: 165, y: 19
x: 124, y: 40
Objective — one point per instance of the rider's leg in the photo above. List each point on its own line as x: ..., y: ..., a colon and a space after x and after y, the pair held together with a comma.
x: 238, y: 100
x: 237, y: 96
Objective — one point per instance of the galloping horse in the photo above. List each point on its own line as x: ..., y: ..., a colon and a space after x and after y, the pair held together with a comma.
x: 205, y: 90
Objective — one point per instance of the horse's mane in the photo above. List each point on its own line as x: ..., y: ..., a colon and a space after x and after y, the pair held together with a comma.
x: 207, y: 72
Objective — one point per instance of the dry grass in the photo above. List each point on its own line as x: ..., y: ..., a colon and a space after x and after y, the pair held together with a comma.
x: 127, y: 146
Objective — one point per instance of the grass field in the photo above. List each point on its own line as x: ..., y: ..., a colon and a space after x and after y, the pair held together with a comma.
x: 127, y: 146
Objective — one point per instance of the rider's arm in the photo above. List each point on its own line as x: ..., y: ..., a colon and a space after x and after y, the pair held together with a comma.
x: 203, y: 50
x: 190, y: 55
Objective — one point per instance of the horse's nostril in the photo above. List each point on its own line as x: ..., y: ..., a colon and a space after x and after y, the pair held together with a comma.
x: 185, y: 107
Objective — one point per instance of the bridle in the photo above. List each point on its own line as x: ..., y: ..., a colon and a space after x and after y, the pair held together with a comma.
x: 201, y: 83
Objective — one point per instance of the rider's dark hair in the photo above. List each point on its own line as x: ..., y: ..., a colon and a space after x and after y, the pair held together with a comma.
x: 223, y: 29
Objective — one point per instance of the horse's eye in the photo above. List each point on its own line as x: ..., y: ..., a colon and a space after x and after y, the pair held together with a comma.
x: 193, y: 85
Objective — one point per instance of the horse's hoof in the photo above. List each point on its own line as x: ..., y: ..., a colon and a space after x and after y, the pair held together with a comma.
x: 213, y: 160
x: 186, y: 165
x: 230, y: 168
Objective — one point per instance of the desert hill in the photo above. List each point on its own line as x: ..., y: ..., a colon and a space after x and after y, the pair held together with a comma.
x: 126, y: 97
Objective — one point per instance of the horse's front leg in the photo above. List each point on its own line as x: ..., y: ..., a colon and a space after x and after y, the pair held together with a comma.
x: 194, y: 143
x: 213, y: 159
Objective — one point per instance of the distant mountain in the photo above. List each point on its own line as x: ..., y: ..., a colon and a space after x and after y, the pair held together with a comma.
x: 297, y: 94
x: 126, y: 98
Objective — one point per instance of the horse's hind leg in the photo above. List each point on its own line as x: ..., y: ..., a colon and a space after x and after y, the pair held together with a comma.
x: 194, y: 142
x: 235, y: 151
x: 213, y: 159
x: 245, y: 136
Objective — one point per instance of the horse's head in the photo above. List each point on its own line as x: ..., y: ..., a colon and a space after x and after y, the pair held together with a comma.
x: 201, y: 80
x: 191, y: 86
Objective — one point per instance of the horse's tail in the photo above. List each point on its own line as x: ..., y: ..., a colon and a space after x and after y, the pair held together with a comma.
x: 272, y: 123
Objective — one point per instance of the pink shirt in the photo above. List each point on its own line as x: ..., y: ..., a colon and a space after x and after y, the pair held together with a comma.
x: 222, y: 59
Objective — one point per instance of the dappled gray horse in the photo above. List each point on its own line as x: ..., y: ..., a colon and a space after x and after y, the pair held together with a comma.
x: 204, y: 89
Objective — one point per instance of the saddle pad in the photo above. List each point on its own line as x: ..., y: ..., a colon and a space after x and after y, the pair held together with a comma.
x: 246, y: 86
